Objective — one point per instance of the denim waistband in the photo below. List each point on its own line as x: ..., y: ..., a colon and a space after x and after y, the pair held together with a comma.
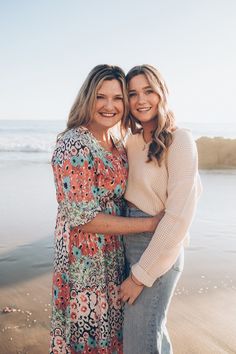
x: 136, y: 213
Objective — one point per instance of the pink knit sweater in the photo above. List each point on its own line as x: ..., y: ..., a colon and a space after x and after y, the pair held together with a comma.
x: 175, y: 187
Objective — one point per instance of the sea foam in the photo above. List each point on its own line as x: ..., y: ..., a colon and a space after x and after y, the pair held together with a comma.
x: 27, y: 143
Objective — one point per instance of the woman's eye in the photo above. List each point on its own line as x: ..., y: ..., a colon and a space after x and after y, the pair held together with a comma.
x: 119, y: 98
x: 132, y: 94
x: 99, y: 97
x: 148, y: 92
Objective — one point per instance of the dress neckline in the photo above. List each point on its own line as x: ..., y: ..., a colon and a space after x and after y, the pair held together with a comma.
x: 115, y: 142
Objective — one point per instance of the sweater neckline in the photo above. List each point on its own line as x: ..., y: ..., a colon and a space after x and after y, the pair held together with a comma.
x: 145, y: 145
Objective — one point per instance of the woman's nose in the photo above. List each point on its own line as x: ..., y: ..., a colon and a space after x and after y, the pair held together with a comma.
x: 109, y: 104
x: 141, y: 98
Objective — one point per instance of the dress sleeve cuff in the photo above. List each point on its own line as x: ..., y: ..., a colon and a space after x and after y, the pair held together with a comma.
x: 142, y: 275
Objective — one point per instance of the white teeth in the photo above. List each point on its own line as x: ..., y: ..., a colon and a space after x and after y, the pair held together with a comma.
x: 108, y: 114
x: 145, y: 109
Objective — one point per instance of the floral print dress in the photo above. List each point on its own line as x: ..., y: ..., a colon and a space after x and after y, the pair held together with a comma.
x: 88, y: 268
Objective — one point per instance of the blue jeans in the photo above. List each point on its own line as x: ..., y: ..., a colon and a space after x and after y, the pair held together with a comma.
x: 144, y: 328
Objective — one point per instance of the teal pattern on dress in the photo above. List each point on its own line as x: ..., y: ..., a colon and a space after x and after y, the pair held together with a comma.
x: 87, y: 313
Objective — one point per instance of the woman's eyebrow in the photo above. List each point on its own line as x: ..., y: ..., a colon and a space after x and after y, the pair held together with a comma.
x: 143, y: 88
x: 103, y: 95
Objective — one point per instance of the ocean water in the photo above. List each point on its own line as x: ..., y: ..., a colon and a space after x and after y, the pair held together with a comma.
x: 27, y: 140
x: 33, y: 141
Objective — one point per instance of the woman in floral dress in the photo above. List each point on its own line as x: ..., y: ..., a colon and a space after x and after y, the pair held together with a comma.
x: 90, y: 171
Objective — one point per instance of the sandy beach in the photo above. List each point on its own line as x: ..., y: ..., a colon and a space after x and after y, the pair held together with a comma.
x: 203, y: 311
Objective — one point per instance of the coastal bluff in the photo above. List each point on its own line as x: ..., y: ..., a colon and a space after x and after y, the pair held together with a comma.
x: 216, y: 153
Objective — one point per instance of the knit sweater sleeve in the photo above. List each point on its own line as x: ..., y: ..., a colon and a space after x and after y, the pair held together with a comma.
x: 183, y: 189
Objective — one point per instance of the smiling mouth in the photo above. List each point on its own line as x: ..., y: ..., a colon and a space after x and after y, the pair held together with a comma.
x: 107, y: 115
x: 144, y: 109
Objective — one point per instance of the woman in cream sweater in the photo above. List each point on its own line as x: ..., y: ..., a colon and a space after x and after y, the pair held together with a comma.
x: 163, y: 174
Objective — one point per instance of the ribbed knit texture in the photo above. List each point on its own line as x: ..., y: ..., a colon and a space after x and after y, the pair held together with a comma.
x: 174, y: 186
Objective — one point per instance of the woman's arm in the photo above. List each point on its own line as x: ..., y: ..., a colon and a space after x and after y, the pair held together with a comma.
x: 183, y: 190
x: 104, y: 223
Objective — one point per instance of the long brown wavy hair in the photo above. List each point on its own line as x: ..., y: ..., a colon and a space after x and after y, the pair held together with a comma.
x: 82, y: 109
x: 165, y: 123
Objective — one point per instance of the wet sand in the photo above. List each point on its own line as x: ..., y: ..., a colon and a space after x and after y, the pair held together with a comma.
x: 203, y: 311
x: 26, y: 329
x: 27, y: 210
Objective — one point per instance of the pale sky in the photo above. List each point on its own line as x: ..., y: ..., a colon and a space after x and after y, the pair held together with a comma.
x: 49, y: 46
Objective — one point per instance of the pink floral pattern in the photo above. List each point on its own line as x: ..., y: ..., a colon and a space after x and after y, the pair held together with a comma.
x: 88, y: 268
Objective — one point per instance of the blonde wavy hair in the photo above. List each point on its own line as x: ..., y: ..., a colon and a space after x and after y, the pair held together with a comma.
x: 165, y: 123
x: 82, y: 110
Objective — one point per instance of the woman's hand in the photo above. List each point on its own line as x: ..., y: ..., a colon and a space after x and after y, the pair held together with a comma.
x: 154, y: 221
x: 131, y: 288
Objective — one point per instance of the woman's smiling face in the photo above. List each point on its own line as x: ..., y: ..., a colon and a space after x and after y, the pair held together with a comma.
x: 143, y: 100
x: 109, y: 105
